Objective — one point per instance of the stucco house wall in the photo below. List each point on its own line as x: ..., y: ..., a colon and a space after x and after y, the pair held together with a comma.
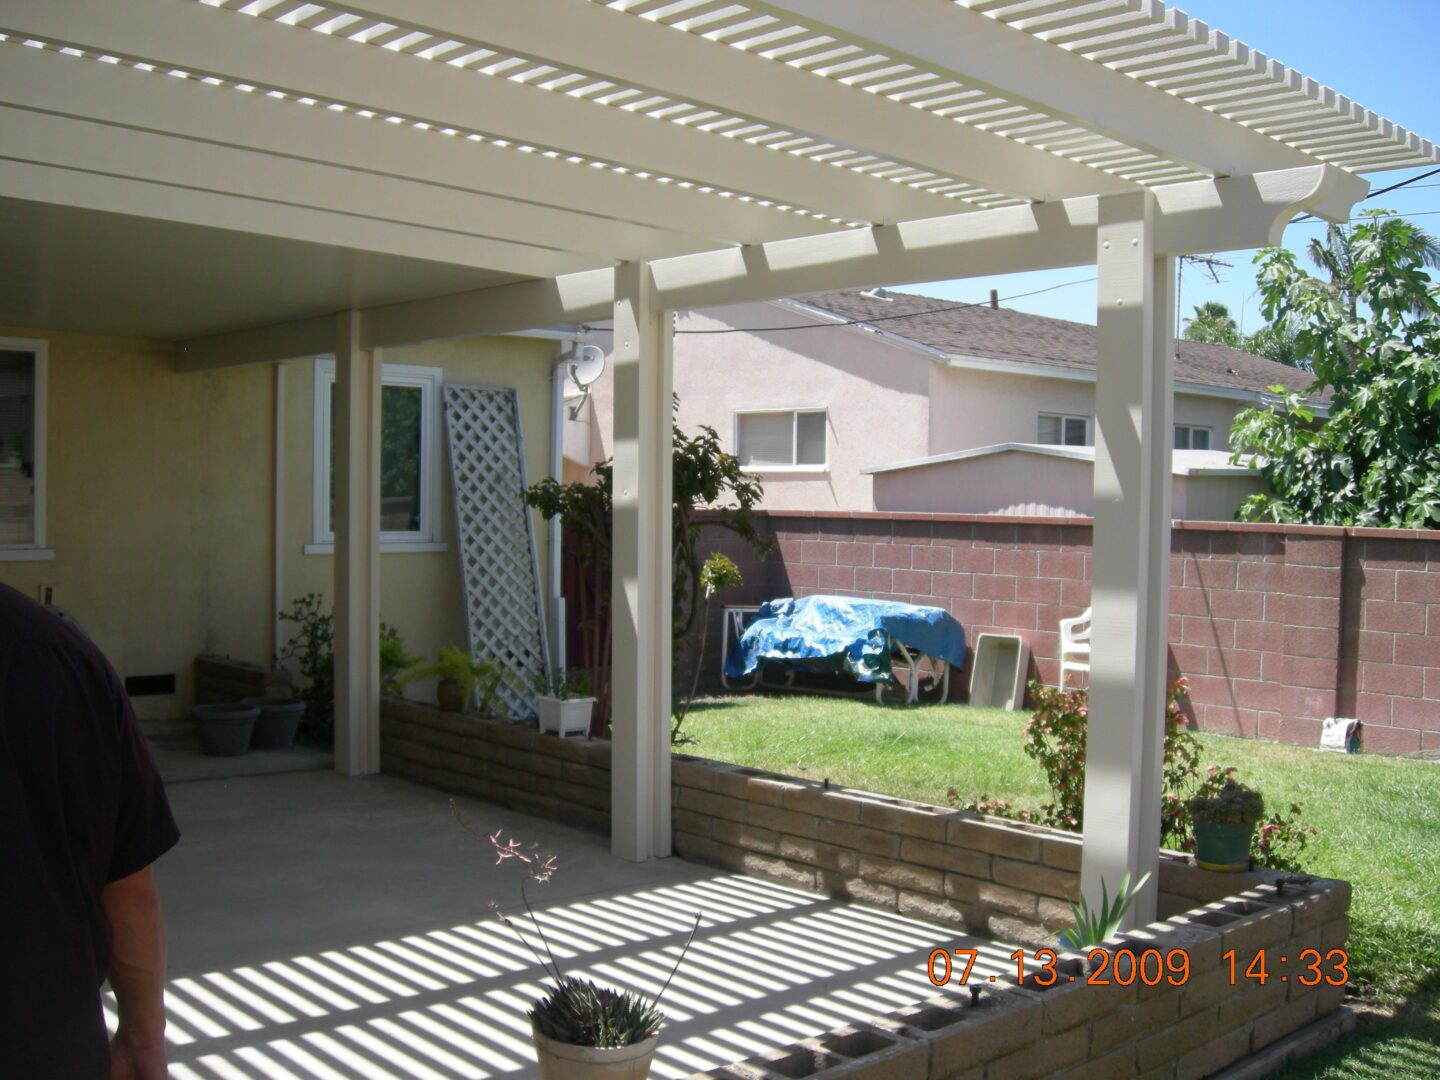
x: 160, y: 495
x: 887, y: 401
x: 419, y: 591
x: 159, y: 509
x: 876, y: 397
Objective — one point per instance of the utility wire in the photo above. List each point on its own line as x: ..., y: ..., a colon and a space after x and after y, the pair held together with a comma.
x: 955, y: 306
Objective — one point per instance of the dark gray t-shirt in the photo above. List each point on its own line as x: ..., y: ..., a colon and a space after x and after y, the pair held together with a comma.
x: 81, y: 805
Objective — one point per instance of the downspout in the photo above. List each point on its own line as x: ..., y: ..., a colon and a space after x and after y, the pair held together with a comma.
x: 557, y: 472
x: 279, y: 584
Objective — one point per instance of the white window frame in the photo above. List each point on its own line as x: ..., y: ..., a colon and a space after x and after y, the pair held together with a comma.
x: 429, y: 381
x: 794, y: 438
x: 1062, y: 417
x: 36, y: 551
x: 1190, y: 437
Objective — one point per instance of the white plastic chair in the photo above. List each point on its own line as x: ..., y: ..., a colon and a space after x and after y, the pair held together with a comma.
x: 1075, y: 646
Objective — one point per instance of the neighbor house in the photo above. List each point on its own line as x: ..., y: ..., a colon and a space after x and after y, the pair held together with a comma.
x: 863, y: 400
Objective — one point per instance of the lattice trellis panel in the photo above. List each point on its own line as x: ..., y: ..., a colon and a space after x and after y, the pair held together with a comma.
x: 498, y: 566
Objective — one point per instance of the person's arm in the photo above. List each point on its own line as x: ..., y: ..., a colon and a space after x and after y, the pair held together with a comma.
x: 137, y: 975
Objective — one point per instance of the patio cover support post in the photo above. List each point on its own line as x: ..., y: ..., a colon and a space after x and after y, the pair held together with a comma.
x: 357, y: 551
x: 1130, y: 565
x: 640, y: 583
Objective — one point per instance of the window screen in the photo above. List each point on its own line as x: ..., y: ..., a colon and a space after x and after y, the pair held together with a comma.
x: 17, y: 448
x: 1191, y: 438
x: 810, y: 438
x: 1056, y: 430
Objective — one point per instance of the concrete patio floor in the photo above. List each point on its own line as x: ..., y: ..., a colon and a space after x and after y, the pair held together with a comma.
x: 325, y: 927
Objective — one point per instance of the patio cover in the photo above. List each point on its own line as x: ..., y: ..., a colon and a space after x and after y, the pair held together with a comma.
x: 268, y: 179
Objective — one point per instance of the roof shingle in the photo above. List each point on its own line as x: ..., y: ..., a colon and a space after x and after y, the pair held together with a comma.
x: 1003, y: 334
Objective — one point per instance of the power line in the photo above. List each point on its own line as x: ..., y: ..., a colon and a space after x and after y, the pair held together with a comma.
x: 955, y: 306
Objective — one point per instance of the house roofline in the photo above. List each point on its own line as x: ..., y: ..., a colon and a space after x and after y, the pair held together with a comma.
x: 1008, y: 366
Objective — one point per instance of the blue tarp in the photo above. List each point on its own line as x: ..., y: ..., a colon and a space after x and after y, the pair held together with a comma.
x: 844, y: 633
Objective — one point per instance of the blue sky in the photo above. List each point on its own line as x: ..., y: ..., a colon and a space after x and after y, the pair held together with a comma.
x: 1381, y: 53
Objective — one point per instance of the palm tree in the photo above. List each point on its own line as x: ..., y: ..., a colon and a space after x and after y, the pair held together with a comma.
x: 1212, y: 323
x: 1335, y: 256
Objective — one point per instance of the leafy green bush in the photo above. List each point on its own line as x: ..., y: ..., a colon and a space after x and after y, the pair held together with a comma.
x: 311, y: 649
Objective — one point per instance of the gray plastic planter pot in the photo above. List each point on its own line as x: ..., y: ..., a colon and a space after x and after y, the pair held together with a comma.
x: 225, y: 730
x: 279, y: 720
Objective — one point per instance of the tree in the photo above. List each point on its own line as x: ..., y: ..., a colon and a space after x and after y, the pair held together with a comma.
x: 1371, y: 332
x: 1212, y: 324
x: 709, y: 489
x: 1277, y: 343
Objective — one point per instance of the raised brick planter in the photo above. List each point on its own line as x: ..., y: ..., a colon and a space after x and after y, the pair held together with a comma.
x: 1005, y: 880
x: 219, y: 679
x: 1192, y: 1028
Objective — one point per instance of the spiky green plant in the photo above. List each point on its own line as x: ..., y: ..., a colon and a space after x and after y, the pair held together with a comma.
x: 1093, y: 926
x: 581, y: 1013
x: 576, y: 1011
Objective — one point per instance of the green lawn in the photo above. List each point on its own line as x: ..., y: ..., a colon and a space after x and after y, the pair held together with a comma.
x: 1378, y: 820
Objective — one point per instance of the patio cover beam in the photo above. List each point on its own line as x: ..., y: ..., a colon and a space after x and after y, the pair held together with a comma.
x: 301, y: 63
x: 986, y: 53
x: 605, y: 43
x: 1130, y: 573
x: 140, y: 101
x: 640, y: 568
x: 357, y: 550
x: 1210, y: 215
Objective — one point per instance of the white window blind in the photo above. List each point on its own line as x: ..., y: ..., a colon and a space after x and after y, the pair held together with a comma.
x: 781, y: 440
x: 1058, y: 430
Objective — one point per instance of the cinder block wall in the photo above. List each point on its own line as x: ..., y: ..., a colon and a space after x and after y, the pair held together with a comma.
x: 994, y: 877
x: 1275, y: 627
x: 1001, y: 878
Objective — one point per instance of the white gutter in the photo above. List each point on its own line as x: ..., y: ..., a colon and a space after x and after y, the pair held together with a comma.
x: 558, y: 376
x: 279, y: 552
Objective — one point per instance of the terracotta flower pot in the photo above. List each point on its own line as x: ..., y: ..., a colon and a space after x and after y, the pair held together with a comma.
x: 449, y: 696
x: 279, y: 720
x: 225, y: 730
x: 562, y: 1061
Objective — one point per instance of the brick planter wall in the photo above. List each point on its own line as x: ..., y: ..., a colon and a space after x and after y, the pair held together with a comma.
x: 1275, y: 627
x: 219, y: 679
x: 1006, y: 880
x: 1078, y: 1031
x: 561, y: 779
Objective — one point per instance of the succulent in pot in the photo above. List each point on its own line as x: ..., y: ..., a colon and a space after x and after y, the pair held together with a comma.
x: 1224, y: 814
x: 581, y: 1030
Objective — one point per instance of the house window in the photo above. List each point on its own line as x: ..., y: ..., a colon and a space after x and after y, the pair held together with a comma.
x: 409, y: 456
x: 1189, y: 437
x: 790, y: 439
x: 22, y: 449
x: 1058, y: 430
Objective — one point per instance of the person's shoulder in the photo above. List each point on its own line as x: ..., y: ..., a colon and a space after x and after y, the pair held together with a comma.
x: 29, y: 625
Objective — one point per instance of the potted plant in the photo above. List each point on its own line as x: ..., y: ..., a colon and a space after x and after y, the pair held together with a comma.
x: 581, y: 1030
x: 1225, y: 814
x: 460, y: 676
x: 564, y: 702
x: 395, y: 660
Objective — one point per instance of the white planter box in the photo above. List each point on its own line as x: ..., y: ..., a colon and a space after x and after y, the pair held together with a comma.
x: 568, y: 717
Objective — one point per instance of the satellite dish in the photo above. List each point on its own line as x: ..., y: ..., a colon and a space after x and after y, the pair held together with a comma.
x: 587, y: 364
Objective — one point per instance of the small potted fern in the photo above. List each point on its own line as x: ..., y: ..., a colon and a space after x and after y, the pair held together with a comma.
x: 581, y: 1030
x: 460, y: 676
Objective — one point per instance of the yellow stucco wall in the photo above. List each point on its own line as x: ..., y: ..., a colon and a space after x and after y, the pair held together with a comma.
x: 419, y: 592
x: 159, y: 508
x: 160, y: 496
